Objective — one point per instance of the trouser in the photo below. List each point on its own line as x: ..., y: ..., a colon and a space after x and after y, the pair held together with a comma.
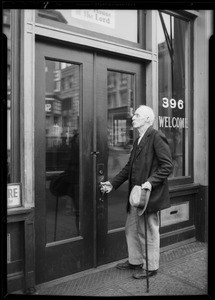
x: 135, y: 237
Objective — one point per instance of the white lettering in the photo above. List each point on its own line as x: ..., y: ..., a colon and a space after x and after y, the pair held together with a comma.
x: 180, y: 104
x: 161, y: 121
x: 172, y: 103
x: 165, y: 102
x: 174, y: 122
x: 169, y: 122
x: 174, y: 119
x: 181, y: 122
x: 177, y: 122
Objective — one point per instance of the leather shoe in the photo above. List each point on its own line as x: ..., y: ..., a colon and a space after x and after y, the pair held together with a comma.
x: 142, y: 274
x: 127, y: 266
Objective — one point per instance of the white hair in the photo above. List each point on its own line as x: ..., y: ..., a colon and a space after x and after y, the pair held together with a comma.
x: 145, y: 110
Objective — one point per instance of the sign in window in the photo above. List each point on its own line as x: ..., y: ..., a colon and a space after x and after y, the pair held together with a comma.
x: 173, y: 92
x: 109, y: 22
x: 13, y: 195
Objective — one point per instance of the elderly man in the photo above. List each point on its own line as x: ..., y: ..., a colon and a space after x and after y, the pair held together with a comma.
x: 149, y: 165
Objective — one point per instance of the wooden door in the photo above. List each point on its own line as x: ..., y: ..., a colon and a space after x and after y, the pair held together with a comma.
x: 84, y: 102
x: 63, y: 143
x: 120, y: 88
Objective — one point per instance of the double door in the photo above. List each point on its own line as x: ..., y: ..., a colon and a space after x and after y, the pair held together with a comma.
x: 84, y: 102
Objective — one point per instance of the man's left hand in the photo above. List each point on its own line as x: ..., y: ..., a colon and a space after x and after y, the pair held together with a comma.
x: 147, y: 186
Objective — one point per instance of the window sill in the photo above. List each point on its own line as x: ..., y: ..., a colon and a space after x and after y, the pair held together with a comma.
x: 18, y: 210
x: 184, y: 189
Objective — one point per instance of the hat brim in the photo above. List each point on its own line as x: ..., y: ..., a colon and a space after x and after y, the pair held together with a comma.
x: 140, y: 211
x: 139, y: 198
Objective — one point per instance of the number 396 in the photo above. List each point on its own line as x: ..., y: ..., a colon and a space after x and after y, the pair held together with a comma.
x: 172, y: 103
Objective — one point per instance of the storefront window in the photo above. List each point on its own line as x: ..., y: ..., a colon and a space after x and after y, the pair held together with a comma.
x: 173, y: 91
x: 113, y: 23
x: 7, y: 32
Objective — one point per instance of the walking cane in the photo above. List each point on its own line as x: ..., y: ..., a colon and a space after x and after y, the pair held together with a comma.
x: 146, y: 249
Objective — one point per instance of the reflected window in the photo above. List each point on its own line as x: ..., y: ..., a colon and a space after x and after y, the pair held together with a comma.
x: 174, y: 99
x: 62, y: 150
x: 120, y: 93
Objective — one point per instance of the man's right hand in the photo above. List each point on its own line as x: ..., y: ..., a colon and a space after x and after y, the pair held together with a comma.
x: 106, y: 187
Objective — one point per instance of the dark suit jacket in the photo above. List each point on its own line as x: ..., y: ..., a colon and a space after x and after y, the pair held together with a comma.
x: 149, y: 161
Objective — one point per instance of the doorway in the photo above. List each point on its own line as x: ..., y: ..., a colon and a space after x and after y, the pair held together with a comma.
x: 83, y: 134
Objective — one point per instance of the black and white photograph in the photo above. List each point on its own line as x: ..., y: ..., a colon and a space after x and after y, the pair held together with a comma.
x: 106, y: 149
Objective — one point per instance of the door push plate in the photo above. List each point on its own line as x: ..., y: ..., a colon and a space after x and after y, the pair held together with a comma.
x: 100, y: 177
x: 100, y: 203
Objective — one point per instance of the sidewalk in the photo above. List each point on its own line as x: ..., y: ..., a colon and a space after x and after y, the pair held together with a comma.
x: 183, y: 271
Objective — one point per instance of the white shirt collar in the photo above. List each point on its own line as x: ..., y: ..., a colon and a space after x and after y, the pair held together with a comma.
x: 141, y: 136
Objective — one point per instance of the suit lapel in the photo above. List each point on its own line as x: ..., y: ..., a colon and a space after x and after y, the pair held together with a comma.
x: 134, y: 150
x: 144, y: 141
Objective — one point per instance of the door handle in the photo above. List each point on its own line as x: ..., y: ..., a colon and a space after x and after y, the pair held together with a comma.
x: 100, y: 173
x: 100, y: 178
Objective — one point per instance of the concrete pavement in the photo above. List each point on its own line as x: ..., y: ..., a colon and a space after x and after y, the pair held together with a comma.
x: 183, y: 271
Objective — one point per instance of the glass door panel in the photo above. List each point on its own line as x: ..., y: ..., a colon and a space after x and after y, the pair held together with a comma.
x: 120, y: 93
x: 62, y: 150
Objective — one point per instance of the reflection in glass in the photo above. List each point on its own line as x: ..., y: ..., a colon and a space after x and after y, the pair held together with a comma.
x: 7, y: 31
x: 173, y: 93
x: 120, y: 140
x: 62, y: 150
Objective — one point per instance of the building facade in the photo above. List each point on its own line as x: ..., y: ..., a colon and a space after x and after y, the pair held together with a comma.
x: 74, y: 79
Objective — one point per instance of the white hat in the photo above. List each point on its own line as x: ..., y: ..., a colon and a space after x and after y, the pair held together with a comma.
x: 139, y: 198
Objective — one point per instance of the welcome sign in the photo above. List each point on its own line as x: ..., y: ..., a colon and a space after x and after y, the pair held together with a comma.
x: 173, y: 121
x: 98, y: 16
